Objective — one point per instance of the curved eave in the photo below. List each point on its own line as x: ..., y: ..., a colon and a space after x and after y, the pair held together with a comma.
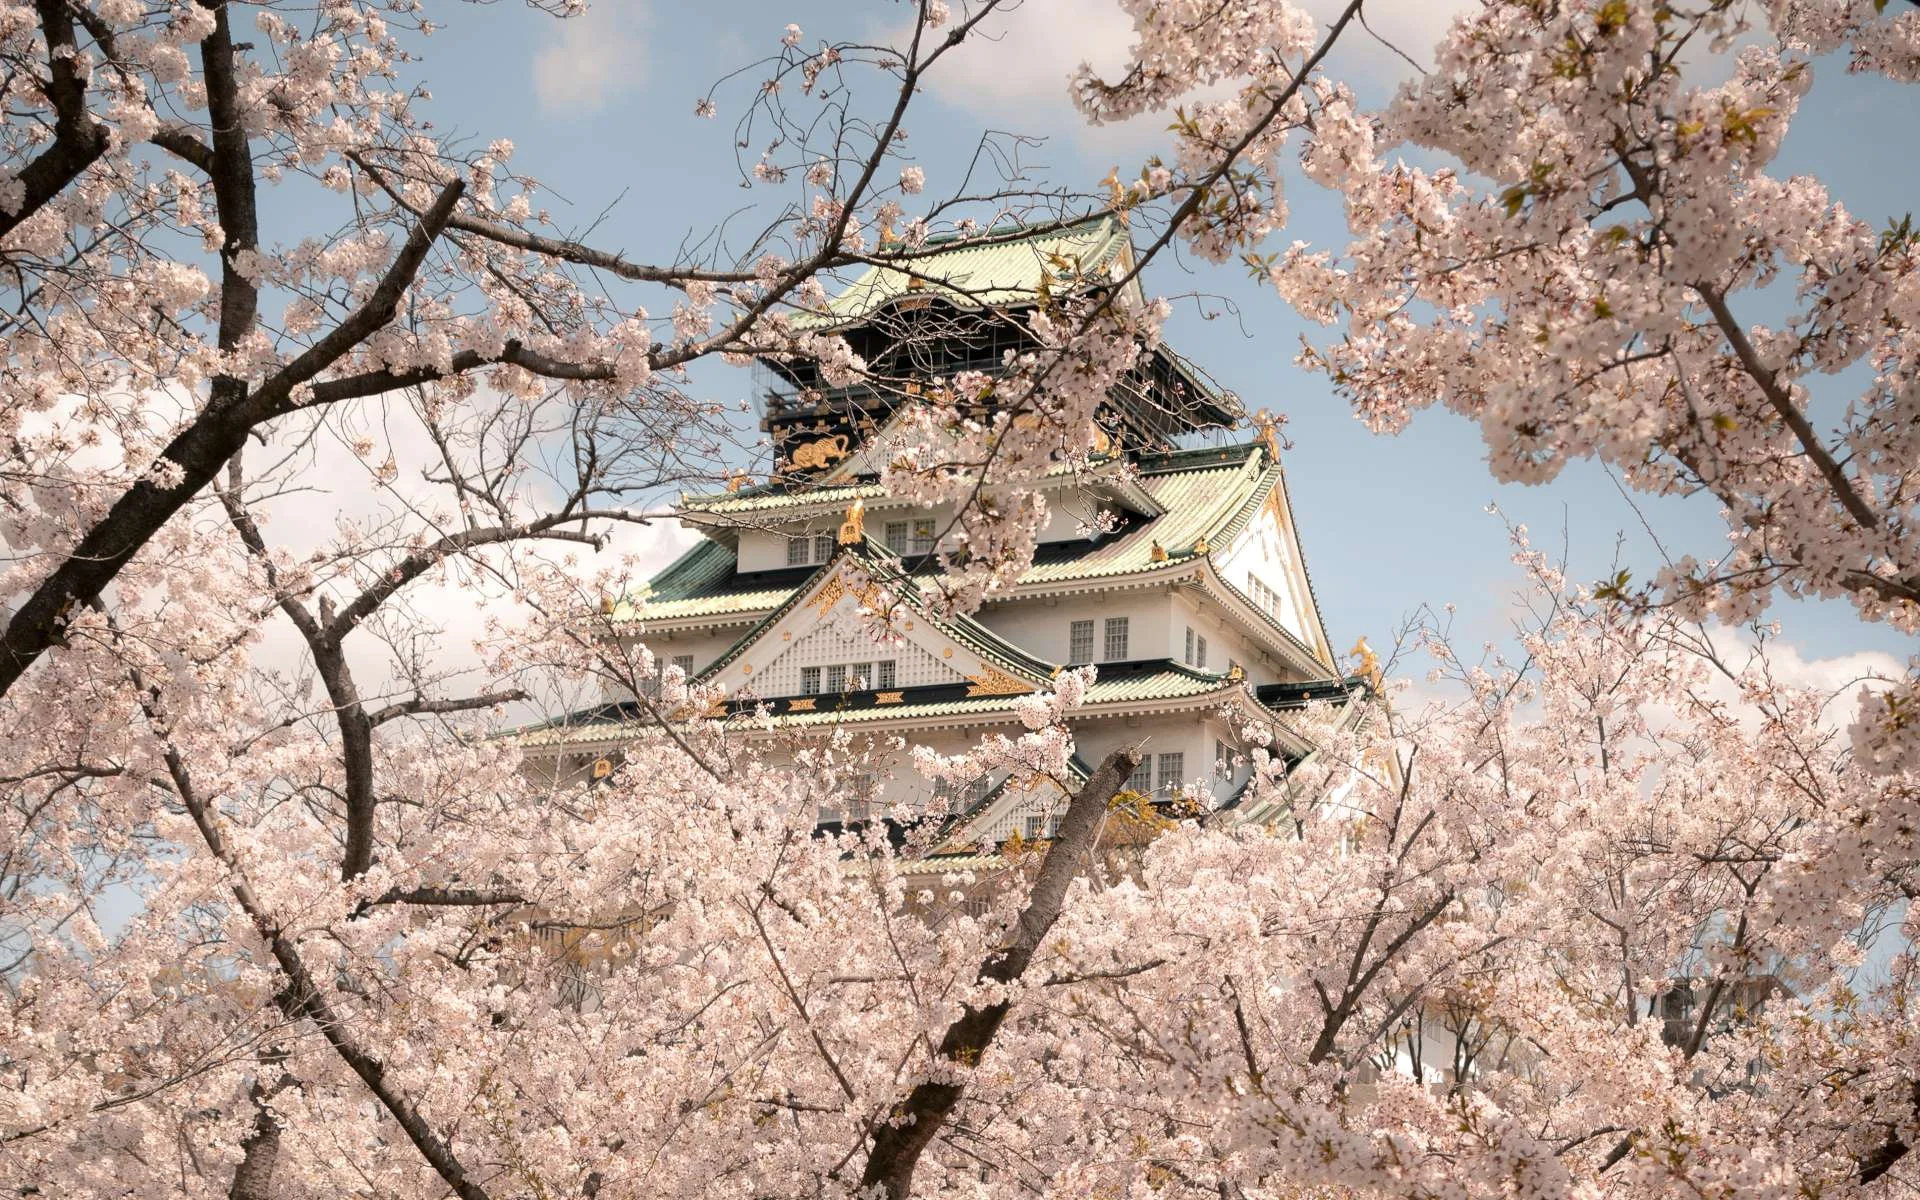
x: 1300, y: 555
x: 1234, y: 813
x: 978, y: 713
x: 724, y: 512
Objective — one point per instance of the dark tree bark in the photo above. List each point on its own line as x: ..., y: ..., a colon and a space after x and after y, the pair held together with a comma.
x: 917, y: 1120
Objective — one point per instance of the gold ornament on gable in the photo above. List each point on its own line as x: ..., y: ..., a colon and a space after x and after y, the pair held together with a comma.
x: 992, y: 681
x: 830, y: 594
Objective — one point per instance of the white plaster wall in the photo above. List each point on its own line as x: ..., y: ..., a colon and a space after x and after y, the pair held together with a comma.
x: 766, y: 550
x: 1192, y: 734
x: 1226, y: 642
x: 1264, y: 553
x: 1043, y: 626
x: 703, y: 647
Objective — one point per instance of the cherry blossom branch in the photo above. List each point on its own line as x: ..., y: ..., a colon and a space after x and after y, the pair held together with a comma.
x: 1888, y: 1153
x: 194, y: 457
x: 434, y: 897
x: 915, y: 1121
x: 419, y: 705
x: 1769, y: 383
x: 303, y: 997
x: 79, y: 140
x: 414, y: 565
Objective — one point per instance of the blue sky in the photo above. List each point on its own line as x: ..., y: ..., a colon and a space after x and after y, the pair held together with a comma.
x: 601, y: 110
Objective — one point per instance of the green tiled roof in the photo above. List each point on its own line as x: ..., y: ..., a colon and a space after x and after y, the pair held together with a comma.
x: 766, y: 498
x: 1210, y: 492
x: 1132, y: 683
x: 1172, y: 682
x: 702, y: 583
x: 772, y: 499
x: 1000, y: 266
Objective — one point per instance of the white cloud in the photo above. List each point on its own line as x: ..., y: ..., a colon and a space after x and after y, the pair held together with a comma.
x: 1014, y: 72
x: 1373, y: 52
x: 652, y: 545
x: 587, y: 60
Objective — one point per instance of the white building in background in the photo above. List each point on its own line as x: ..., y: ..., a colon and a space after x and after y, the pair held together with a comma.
x: 1196, y: 607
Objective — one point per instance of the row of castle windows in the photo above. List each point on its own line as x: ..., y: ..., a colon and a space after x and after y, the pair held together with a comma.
x: 840, y: 676
x: 1264, y: 597
x: 902, y: 537
x: 1080, y: 639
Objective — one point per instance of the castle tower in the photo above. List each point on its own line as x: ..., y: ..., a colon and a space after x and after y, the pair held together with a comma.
x: 1195, y: 604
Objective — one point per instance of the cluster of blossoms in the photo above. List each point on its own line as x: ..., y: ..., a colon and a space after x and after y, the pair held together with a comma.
x: 1596, y: 922
x: 1581, y: 274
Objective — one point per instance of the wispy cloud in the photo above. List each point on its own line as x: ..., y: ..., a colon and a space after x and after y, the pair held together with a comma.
x: 1015, y: 71
x: 587, y: 60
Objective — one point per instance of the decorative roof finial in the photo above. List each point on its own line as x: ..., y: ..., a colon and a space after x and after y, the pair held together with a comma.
x: 853, y: 530
x: 1269, y: 433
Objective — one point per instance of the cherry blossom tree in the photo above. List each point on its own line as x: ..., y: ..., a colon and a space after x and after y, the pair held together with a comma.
x: 1621, y: 886
x: 1603, y: 264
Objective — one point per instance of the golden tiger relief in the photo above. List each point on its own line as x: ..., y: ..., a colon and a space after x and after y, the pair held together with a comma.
x: 820, y: 454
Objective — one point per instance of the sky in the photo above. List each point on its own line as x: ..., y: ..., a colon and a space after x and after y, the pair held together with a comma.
x: 601, y: 109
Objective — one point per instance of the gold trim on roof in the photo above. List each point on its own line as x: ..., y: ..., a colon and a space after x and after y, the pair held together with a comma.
x: 992, y: 681
x: 830, y: 594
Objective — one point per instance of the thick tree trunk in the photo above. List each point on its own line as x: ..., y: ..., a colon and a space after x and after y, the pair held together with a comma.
x: 917, y: 1120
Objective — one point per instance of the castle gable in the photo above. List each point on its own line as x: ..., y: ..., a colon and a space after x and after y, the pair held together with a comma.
x: 826, y: 638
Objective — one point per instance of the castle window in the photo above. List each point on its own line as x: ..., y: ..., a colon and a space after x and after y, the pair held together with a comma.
x: 1188, y: 656
x: 1222, y: 760
x: 962, y: 796
x: 922, y: 542
x: 1141, y: 780
x: 809, y: 681
x: 860, y: 799
x: 884, y: 679
x: 804, y: 550
x: 860, y: 675
x: 1172, y: 767
x: 897, y: 536
x: 1200, y: 651
x: 685, y: 663
x: 1081, y: 639
x: 837, y: 679
x: 1116, y: 647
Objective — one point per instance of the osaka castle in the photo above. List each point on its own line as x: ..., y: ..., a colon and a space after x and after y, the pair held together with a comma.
x: 1189, y: 594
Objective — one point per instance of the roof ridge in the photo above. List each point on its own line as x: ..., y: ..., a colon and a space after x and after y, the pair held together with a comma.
x: 987, y: 237
x: 1165, y: 461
